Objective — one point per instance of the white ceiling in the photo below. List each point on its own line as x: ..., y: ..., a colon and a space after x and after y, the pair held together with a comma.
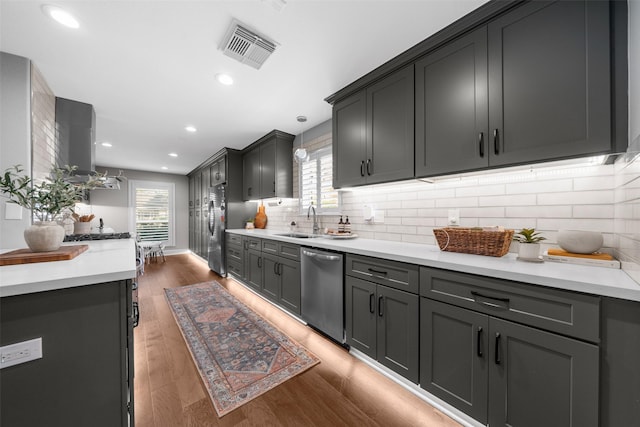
x: 148, y: 67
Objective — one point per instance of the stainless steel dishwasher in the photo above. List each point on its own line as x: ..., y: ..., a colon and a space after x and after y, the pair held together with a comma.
x: 323, y: 292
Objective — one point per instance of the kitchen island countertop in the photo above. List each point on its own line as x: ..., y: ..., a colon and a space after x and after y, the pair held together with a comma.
x: 579, y: 278
x: 104, y: 261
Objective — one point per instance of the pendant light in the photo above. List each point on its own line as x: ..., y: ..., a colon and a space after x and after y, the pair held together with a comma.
x: 301, y: 153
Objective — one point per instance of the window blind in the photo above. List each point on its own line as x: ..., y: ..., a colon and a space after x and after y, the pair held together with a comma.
x: 316, y: 183
x: 153, y: 211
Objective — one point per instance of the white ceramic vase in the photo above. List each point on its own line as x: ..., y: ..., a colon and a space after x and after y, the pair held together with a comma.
x: 44, y: 236
x: 81, y: 227
x: 529, y: 250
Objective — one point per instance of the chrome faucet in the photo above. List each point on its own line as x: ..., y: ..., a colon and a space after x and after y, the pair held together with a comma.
x: 316, y: 228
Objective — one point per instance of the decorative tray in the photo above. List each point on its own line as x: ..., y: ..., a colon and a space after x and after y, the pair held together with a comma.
x: 340, y: 236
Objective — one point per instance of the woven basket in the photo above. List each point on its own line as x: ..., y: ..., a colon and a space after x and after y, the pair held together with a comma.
x: 474, y: 241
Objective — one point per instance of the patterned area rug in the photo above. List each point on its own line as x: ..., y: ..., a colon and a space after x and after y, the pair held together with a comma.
x: 239, y: 354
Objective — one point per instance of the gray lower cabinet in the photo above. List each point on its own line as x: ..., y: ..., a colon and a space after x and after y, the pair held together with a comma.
x: 382, y: 322
x: 253, y: 269
x: 281, y: 280
x: 85, y: 375
x: 507, y: 353
x: 234, y: 254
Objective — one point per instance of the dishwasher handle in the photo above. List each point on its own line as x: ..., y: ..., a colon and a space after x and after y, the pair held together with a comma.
x: 320, y: 256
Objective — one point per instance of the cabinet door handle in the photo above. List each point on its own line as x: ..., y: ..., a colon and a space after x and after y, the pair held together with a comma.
x: 362, y: 168
x: 372, y: 299
x: 479, y: 341
x: 497, y: 359
x: 249, y: 191
x: 275, y: 268
x: 368, y: 166
x: 380, y: 298
x: 373, y: 270
x: 259, y: 262
x: 496, y: 142
x: 274, y: 186
x: 481, y: 144
x: 478, y: 294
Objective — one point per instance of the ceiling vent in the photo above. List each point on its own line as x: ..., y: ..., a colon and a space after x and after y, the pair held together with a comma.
x: 247, y: 46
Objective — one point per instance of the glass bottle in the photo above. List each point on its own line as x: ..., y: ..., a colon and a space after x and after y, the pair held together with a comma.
x: 340, y: 225
x: 347, y: 226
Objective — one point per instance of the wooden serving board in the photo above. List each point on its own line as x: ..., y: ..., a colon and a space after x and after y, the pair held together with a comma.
x: 25, y: 256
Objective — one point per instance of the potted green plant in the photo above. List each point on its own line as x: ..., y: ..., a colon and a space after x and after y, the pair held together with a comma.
x: 529, y: 240
x: 46, y: 200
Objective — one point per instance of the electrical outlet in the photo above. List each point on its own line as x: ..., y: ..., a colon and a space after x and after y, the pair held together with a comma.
x: 25, y: 351
x: 454, y: 217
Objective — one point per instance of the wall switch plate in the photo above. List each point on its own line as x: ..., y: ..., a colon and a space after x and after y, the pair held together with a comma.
x: 454, y: 217
x: 25, y: 351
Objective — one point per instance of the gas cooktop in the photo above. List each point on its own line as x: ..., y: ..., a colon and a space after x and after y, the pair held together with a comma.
x: 96, y: 236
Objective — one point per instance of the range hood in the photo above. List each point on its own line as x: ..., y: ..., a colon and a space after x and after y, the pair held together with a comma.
x: 76, y: 139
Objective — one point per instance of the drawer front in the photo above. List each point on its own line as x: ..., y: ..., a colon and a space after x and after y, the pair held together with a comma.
x: 569, y: 313
x: 270, y: 246
x: 394, y: 274
x: 288, y: 250
x: 234, y: 254
x: 252, y: 243
x: 234, y: 239
x: 234, y: 268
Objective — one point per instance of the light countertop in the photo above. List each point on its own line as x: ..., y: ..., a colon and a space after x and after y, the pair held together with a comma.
x: 581, y: 278
x: 104, y: 261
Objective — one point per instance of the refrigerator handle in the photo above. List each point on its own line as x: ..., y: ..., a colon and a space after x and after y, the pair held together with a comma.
x: 212, y: 218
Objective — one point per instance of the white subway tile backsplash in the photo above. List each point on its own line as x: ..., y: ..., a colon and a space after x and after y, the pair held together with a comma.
x: 577, y: 198
x: 539, y: 211
x: 601, y: 225
x: 593, y: 211
x: 593, y: 183
x: 459, y: 202
x: 487, y: 190
x: 484, y: 212
x: 537, y: 187
x: 511, y: 200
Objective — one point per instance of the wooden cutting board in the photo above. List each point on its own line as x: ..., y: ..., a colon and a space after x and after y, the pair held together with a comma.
x: 25, y: 256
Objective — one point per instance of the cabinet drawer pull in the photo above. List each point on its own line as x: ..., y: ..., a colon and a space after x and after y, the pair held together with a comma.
x: 496, y: 142
x: 479, y: 341
x: 372, y: 307
x: 478, y: 294
x: 380, y: 305
x: 481, y: 144
x: 497, y: 359
x: 373, y: 270
x: 368, y: 166
x: 362, y: 168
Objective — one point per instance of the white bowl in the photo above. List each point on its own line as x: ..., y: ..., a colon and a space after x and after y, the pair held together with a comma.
x: 580, y: 242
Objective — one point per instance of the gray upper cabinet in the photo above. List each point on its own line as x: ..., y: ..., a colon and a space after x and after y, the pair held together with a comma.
x: 451, y: 107
x: 251, y: 174
x: 549, y: 82
x: 268, y: 167
x: 532, y: 85
x: 218, y: 171
x: 374, y: 133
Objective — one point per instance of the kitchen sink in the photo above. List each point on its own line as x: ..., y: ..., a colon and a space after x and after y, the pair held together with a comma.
x: 299, y: 235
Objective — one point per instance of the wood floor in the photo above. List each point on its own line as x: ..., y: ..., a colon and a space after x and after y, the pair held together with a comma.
x: 340, y: 391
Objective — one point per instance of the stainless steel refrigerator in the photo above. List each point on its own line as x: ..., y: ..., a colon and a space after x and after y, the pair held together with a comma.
x: 226, y: 210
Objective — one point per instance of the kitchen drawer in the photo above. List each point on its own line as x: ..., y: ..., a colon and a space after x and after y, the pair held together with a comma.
x: 270, y: 246
x: 234, y: 267
x: 252, y: 243
x: 234, y: 254
x: 568, y: 313
x: 234, y: 239
x: 289, y: 250
x: 283, y: 249
x: 394, y: 274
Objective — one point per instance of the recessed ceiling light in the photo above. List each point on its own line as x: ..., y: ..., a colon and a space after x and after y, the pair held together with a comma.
x: 224, y: 79
x: 173, y: 154
x: 60, y: 15
x: 190, y: 128
x: 164, y: 168
x: 106, y: 144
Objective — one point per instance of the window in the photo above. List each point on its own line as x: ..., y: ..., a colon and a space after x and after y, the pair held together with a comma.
x: 152, y: 210
x: 316, y: 183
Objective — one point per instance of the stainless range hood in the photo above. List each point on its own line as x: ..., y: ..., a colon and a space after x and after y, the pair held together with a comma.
x: 76, y: 139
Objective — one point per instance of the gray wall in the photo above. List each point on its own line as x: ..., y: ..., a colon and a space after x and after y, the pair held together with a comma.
x: 15, y: 136
x: 113, y: 205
